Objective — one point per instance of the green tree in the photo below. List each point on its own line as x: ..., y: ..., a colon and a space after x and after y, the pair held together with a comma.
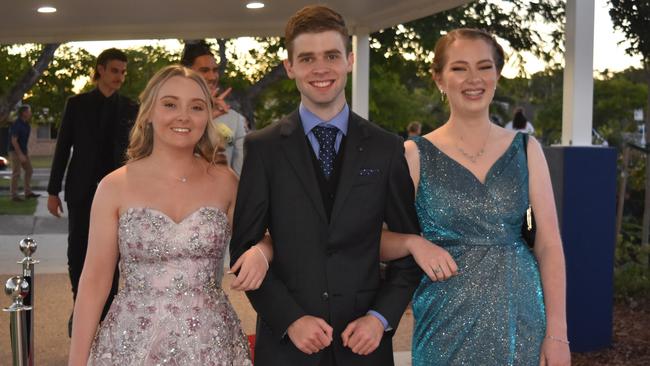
x: 57, y: 84
x: 401, y: 55
x: 633, y: 18
x: 615, y: 100
x: 14, y: 86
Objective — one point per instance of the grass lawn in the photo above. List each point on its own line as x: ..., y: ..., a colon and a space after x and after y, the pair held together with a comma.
x: 41, y: 161
x: 38, y: 162
x: 8, y: 207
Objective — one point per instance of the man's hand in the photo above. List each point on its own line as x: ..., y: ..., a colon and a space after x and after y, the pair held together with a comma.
x: 219, y: 105
x: 22, y: 158
x: 310, y: 334
x: 363, y: 335
x: 54, y: 205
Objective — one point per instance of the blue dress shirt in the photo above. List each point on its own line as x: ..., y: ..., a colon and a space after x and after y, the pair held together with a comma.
x: 310, y: 120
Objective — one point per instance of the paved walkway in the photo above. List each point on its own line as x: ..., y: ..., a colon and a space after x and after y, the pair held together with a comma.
x: 53, y: 300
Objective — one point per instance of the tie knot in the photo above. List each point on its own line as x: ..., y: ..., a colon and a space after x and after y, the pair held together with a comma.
x: 325, y: 135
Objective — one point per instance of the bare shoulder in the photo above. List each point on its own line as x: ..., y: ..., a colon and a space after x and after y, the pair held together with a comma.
x: 437, y: 137
x: 222, y: 175
x: 502, y: 135
x: 411, y: 150
x: 114, y: 182
x: 111, y: 189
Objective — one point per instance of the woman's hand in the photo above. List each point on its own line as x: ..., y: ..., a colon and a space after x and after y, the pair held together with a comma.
x: 436, y: 262
x: 555, y: 353
x: 252, y: 267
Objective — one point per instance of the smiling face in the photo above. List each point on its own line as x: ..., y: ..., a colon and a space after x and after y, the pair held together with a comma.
x: 207, y: 66
x: 320, y: 67
x: 468, y: 77
x: 180, y: 113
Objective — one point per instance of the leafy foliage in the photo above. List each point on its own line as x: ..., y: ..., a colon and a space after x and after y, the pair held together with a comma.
x: 55, y: 84
x: 633, y: 18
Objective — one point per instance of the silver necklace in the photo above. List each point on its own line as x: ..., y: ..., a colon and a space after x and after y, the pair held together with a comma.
x: 474, y: 157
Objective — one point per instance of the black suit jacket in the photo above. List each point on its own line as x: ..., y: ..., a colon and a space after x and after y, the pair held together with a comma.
x: 320, y: 268
x: 80, y: 131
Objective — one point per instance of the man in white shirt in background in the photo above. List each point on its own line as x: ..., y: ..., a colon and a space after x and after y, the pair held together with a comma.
x: 198, y: 57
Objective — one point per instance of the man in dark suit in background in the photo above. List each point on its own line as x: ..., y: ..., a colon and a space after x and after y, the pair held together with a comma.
x: 322, y: 181
x: 95, y: 129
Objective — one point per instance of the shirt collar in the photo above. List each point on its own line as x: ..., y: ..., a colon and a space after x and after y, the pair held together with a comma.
x: 98, y: 94
x: 310, y: 120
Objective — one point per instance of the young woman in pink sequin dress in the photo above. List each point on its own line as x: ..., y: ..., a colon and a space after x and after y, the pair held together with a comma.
x: 166, y: 216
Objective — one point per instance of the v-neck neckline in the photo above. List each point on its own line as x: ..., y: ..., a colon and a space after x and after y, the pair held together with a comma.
x: 469, y: 171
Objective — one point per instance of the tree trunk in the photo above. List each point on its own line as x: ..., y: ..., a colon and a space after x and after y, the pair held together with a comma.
x: 223, y: 59
x: 253, y: 93
x: 247, y: 99
x: 28, y: 80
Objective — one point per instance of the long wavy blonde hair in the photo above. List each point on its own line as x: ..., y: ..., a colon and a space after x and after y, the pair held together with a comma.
x: 210, y: 145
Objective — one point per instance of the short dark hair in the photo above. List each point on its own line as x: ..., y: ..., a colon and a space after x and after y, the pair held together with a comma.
x: 314, y: 19
x: 414, y: 127
x: 193, y: 50
x: 106, y: 56
x: 519, y: 120
x: 23, y: 108
x: 440, y: 51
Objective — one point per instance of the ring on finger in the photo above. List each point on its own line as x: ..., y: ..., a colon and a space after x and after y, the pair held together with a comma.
x: 437, y: 270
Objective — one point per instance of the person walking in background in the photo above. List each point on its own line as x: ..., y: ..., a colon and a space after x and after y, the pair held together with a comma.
x: 19, y: 155
x: 229, y: 123
x: 166, y: 216
x: 520, y: 123
x: 487, y: 298
x: 95, y: 130
x: 413, y: 129
x: 322, y: 181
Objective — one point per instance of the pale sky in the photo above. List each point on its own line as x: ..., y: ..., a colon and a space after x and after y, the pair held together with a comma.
x: 608, y: 54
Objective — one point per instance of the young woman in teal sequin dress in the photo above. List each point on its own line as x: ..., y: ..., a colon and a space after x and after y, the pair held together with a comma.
x: 486, y: 298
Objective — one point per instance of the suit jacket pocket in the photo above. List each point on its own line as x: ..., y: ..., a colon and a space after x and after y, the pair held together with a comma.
x: 362, y: 180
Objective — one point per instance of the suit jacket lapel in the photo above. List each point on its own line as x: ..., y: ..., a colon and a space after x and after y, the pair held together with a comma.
x: 296, y: 150
x: 353, y: 159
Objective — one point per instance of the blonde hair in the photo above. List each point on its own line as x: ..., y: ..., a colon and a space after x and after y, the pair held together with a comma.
x: 210, y: 145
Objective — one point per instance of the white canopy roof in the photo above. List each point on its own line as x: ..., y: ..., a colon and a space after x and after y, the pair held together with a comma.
x: 92, y: 20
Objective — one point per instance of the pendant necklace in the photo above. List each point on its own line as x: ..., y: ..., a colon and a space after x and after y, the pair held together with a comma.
x: 474, y: 157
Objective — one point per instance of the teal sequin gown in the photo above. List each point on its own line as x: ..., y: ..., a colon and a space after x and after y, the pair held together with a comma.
x: 492, y: 313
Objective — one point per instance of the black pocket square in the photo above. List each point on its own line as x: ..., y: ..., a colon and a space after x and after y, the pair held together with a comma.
x: 368, y: 172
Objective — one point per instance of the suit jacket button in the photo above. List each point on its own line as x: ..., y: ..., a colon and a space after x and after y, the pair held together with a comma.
x: 325, y: 296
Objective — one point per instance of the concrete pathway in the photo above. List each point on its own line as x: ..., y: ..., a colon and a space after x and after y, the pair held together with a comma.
x: 50, y: 233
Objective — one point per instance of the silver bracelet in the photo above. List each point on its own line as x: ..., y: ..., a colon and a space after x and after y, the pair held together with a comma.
x: 557, y: 339
x: 263, y: 256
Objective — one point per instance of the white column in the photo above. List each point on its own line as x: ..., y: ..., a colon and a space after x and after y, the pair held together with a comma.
x: 361, y: 72
x: 577, y: 106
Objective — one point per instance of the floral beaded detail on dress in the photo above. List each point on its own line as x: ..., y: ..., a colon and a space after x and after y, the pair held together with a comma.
x: 171, y: 309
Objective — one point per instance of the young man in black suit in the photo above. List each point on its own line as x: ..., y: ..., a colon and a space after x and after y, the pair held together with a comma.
x: 322, y: 181
x: 95, y: 130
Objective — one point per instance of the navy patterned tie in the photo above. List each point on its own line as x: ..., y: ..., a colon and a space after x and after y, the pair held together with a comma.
x: 326, y: 137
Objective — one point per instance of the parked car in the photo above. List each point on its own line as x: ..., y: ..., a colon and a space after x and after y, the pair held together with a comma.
x: 4, y: 163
